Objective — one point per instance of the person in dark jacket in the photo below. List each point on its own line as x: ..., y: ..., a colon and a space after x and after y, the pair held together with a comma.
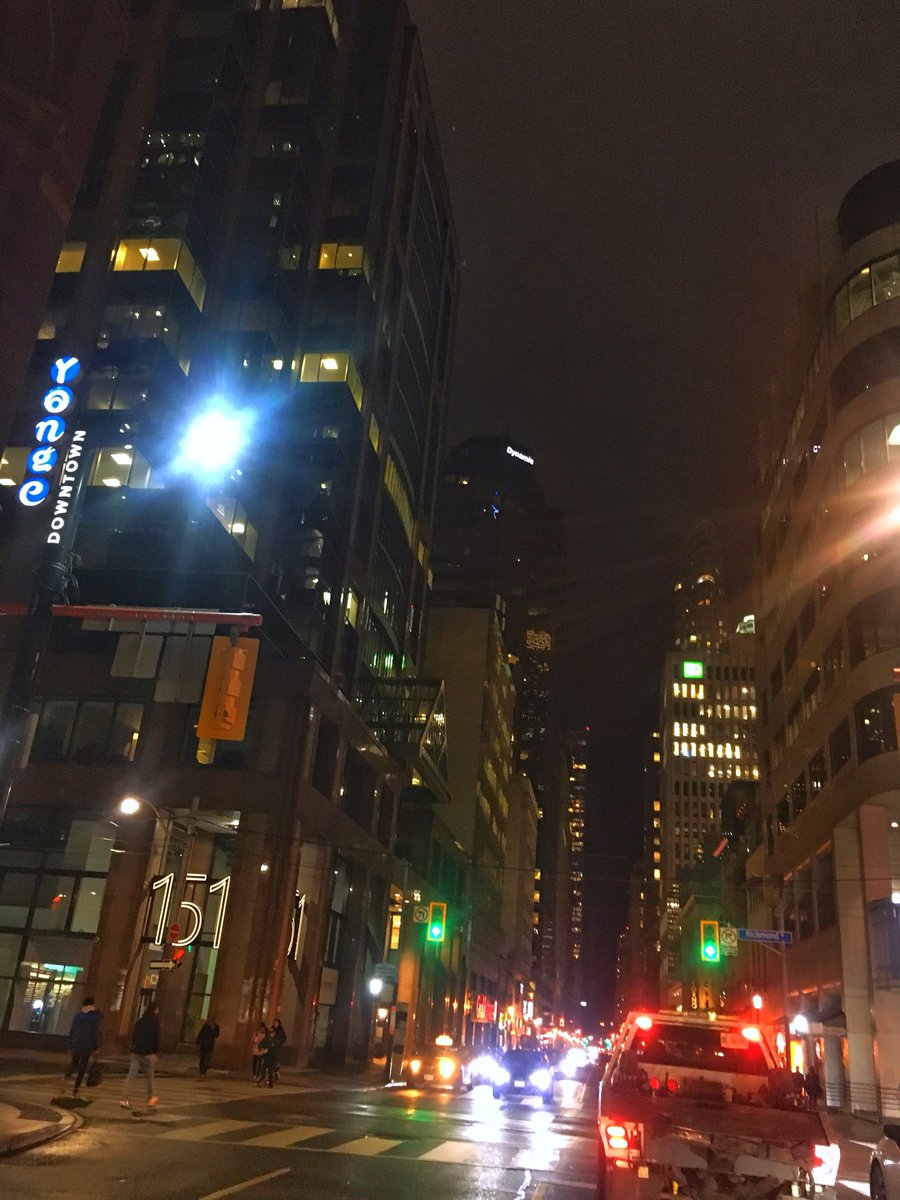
x: 144, y: 1051
x: 206, y: 1043
x: 277, y: 1038
x: 813, y: 1086
x: 84, y: 1040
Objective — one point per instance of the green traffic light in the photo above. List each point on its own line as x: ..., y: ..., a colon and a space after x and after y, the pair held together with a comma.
x: 435, y: 932
x: 709, y: 951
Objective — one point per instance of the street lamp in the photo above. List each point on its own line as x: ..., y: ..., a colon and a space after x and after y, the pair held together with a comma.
x: 375, y: 986
x: 213, y: 440
x: 757, y: 1001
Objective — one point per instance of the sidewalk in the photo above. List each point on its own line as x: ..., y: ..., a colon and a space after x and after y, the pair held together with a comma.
x: 23, y: 1124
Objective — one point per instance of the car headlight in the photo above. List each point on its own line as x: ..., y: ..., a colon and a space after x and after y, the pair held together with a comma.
x: 446, y: 1068
x: 541, y: 1079
x: 415, y: 1065
x: 569, y: 1068
x: 501, y: 1076
x: 484, y: 1066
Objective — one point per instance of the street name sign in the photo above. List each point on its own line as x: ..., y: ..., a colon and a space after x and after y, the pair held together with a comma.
x: 782, y: 937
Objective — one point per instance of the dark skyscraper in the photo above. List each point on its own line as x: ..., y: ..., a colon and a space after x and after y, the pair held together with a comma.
x: 497, y: 537
x: 286, y: 255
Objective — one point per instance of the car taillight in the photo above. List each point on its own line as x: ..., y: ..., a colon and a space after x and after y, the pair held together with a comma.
x: 826, y: 1160
x: 654, y: 1084
x: 644, y: 1022
x: 672, y: 1085
x: 615, y: 1131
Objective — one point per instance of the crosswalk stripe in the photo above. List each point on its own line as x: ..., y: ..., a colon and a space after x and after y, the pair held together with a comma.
x: 366, y: 1146
x: 194, y: 1133
x: 287, y: 1137
x: 535, y: 1160
x: 453, y: 1152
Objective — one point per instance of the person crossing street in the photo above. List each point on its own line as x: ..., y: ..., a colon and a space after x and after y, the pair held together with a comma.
x: 144, y: 1052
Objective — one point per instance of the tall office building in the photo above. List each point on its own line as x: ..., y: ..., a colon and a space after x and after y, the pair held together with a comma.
x: 708, y: 721
x: 828, y: 615
x: 56, y: 63
x: 285, y: 251
x: 497, y: 537
x: 576, y: 766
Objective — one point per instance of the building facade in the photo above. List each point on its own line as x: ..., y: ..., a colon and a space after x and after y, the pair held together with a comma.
x: 830, y: 854
x: 285, y: 246
x: 708, y: 729
x: 497, y: 537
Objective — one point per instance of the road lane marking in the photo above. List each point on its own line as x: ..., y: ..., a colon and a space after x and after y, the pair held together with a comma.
x: 287, y: 1137
x: 197, y: 1133
x: 539, y: 1191
x: 366, y: 1145
x: 248, y: 1183
x: 452, y: 1152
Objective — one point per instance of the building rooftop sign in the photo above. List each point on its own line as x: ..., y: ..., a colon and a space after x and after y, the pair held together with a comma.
x: 525, y: 458
x: 692, y: 670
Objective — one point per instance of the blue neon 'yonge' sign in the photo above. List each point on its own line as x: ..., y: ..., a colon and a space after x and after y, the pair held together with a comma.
x: 49, y: 432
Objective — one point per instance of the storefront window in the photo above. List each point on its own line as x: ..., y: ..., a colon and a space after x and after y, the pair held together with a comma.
x: 50, y: 985
x: 52, y: 880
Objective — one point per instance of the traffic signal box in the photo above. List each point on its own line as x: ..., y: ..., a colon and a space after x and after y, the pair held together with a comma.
x: 437, y: 921
x: 709, y: 941
x: 226, y: 694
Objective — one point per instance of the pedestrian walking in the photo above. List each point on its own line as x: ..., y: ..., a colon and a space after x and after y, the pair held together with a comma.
x: 813, y: 1086
x: 85, y: 1037
x: 206, y: 1043
x: 277, y: 1038
x: 144, y: 1052
x: 799, y: 1087
x: 260, y: 1050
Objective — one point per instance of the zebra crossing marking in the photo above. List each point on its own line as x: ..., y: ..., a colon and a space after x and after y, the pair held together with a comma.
x: 367, y: 1145
x: 452, y: 1152
x: 199, y: 1133
x: 285, y: 1138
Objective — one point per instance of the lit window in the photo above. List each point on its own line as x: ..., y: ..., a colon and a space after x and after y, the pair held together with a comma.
x: 396, y: 489
x: 162, y: 254
x: 122, y: 467
x: 657, y: 874
x: 374, y: 434
x: 395, y: 932
x: 232, y: 516
x: 70, y: 258
x: 12, y: 465
x: 333, y: 366
x: 352, y: 609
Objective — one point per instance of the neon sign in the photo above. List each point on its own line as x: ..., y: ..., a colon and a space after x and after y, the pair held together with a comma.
x: 48, y: 432
x: 525, y: 458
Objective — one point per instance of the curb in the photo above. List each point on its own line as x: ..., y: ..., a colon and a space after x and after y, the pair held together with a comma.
x: 14, y: 1142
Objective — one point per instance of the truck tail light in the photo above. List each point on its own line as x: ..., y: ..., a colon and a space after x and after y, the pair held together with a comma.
x: 654, y: 1084
x: 826, y: 1160
x: 622, y: 1137
x: 672, y: 1085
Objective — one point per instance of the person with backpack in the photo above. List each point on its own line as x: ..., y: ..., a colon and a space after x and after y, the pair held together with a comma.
x: 85, y: 1037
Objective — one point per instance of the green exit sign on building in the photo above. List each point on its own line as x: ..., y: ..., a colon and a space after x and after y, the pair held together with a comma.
x: 692, y: 670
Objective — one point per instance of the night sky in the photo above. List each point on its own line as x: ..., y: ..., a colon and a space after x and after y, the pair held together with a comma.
x: 637, y: 188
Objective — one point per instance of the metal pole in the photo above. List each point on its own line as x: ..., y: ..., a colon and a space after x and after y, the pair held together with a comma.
x: 784, y: 984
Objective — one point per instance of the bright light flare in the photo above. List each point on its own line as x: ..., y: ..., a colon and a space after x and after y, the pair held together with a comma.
x: 643, y: 1022
x: 213, y: 441
x: 751, y: 1033
x: 129, y: 806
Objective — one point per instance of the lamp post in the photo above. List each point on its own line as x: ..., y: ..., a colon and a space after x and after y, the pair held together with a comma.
x: 131, y: 806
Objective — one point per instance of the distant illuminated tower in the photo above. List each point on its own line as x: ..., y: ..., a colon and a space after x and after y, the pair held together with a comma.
x: 699, y: 594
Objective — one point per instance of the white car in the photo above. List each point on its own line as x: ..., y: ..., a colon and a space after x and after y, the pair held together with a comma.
x: 884, y: 1168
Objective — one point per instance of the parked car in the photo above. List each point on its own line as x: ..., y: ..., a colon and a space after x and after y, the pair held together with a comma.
x: 884, y: 1166
x: 524, y: 1073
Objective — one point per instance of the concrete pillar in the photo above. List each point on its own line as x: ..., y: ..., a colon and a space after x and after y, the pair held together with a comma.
x: 249, y: 971
x: 849, y: 875
x: 112, y: 977
x: 878, y: 877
